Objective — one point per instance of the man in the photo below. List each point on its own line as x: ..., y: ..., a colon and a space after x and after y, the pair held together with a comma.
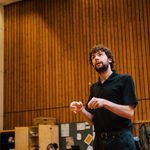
x: 111, y: 104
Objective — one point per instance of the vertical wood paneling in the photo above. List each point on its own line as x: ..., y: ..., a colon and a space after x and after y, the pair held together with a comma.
x: 46, y: 54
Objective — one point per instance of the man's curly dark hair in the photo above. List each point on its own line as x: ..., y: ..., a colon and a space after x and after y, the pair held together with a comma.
x: 102, y: 48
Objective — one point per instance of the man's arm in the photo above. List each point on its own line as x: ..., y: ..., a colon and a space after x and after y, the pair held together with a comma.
x: 126, y: 111
x: 87, y: 116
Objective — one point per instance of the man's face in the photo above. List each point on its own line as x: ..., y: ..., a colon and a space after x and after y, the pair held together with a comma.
x: 100, y: 61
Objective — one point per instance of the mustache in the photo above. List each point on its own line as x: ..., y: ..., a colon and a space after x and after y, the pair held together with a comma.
x: 98, y: 62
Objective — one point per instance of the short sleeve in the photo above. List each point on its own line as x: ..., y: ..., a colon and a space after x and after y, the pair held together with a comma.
x: 129, y: 97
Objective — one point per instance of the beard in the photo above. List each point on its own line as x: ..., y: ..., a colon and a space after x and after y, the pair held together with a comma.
x: 102, y: 69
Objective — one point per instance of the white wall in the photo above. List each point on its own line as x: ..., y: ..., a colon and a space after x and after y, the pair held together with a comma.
x: 1, y: 64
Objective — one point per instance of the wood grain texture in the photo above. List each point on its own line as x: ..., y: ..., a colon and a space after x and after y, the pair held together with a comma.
x: 46, y: 54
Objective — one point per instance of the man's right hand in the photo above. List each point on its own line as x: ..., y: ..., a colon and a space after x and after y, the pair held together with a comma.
x: 76, y: 107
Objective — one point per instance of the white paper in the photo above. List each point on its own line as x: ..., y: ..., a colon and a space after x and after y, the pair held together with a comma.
x: 93, y: 135
x: 79, y: 136
x: 87, y: 125
x: 64, y: 130
x: 80, y: 126
x: 69, y: 142
x: 89, y: 148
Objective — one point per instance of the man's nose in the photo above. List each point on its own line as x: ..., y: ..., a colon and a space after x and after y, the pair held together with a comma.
x: 96, y: 57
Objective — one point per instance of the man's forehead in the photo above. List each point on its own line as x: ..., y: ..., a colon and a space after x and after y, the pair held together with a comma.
x: 98, y: 52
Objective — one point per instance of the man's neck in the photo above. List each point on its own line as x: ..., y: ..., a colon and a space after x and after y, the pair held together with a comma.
x: 105, y: 75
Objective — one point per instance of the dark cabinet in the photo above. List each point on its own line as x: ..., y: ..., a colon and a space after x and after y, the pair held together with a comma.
x: 7, y: 140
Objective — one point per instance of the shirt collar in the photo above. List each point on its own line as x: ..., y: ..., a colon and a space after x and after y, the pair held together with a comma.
x: 110, y: 78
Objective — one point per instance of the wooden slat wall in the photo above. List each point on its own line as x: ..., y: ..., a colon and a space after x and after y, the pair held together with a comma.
x: 46, y: 54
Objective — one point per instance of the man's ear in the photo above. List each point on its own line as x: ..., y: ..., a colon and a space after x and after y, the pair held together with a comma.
x: 109, y: 60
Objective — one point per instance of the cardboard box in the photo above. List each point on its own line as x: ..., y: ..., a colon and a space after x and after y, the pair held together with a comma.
x: 44, y: 120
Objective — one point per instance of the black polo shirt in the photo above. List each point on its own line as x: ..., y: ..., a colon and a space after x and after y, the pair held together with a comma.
x: 118, y: 89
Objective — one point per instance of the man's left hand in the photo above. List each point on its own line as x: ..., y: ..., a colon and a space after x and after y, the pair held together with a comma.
x: 96, y: 103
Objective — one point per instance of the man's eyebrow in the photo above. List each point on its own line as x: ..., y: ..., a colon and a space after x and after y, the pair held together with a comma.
x: 99, y: 52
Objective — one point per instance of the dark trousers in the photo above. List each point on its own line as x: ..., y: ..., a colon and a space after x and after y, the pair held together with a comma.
x: 124, y: 141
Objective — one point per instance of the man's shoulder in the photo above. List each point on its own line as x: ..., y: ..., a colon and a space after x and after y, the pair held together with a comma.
x: 123, y: 76
x: 95, y: 84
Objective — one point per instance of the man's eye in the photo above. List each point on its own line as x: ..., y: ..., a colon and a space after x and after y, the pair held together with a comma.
x: 99, y: 54
x: 93, y: 57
